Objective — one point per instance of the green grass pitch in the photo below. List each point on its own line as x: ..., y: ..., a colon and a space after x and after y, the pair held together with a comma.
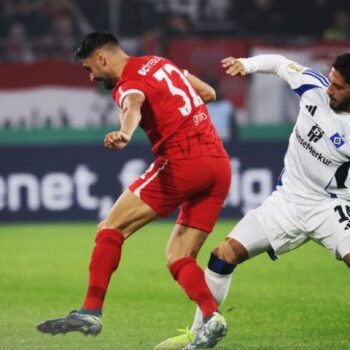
x: 302, y: 301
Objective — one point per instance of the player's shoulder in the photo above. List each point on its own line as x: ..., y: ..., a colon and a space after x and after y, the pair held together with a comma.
x: 308, y: 74
x: 137, y: 70
x: 314, y: 76
x: 310, y: 80
x: 142, y: 66
x: 136, y: 74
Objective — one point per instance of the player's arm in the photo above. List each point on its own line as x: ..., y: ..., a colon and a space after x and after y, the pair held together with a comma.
x: 206, y: 92
x: 269, y: 64
x: 130, y: 118
x: 299, y: 78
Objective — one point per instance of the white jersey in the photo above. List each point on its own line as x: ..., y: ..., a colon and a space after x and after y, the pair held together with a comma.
x: 316, y: 164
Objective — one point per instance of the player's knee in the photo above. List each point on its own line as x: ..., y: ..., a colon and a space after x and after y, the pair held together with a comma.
x: 105, y: 225
x: 171, y: 257
x: 224, y: 252
x: 168, y: 257
x: 231, y: 251
x: 124, y: 229
x: 346, y: 259
x: 101, y: 225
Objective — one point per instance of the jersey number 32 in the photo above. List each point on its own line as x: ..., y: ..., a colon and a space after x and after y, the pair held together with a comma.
x: 165, y: 73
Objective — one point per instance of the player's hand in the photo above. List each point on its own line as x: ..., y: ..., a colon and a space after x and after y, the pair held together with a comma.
x: 233, y: 66
x: 117, y: 140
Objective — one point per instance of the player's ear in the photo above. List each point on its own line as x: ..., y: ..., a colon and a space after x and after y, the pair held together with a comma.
x: 101, y: 58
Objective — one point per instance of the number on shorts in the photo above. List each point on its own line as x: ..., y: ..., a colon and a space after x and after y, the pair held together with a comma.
x: 165, y: 74
x: 344, y: 214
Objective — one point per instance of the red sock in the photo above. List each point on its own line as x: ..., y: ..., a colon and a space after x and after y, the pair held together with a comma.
x: 191, y: 278
x: 104, y: 261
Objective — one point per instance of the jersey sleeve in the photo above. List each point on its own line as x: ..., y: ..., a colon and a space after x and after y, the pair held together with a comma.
x: 129, y: 87
x: 299, y: 78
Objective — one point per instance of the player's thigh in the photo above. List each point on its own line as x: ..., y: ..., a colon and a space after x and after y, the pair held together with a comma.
x: 332, y: 222
x: 280, y: 221
x: 211, y: 179
x: 160, y: 186
x: 184, y: 242
x: 247, y: 239
x: 128, y: 214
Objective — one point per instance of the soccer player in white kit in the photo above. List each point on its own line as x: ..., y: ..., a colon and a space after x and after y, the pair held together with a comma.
x: 312, y: 197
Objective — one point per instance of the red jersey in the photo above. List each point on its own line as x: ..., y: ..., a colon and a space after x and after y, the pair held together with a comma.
x: 174, y: 117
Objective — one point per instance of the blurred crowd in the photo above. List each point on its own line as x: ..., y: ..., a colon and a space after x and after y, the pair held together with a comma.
x: 34, y: 29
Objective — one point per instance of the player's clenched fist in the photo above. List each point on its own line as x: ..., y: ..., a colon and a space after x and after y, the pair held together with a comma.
x: 234, y: 67
x: 116, y: 140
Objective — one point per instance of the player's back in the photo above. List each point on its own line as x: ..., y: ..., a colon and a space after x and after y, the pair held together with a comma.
x: 174, y: 116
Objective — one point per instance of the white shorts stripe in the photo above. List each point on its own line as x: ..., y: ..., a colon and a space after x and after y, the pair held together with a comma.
x: 151, y: 178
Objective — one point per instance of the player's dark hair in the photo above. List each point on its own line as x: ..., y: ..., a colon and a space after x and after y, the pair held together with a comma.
x: 342, y: 65
x: 93, y: 41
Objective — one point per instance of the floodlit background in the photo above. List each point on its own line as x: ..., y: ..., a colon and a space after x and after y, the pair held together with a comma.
x: 57, y: 180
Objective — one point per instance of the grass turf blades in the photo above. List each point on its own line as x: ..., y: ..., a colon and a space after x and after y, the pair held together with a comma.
x: 302, y: 301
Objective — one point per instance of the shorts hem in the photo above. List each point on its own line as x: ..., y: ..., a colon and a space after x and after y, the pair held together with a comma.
x: 163, y: 215
x: 195, y: 226
x: 343, y: 247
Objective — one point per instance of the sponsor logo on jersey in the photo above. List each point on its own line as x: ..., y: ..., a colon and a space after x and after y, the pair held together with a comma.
x: 199, y: 118
x: 311, y: 109
x: 315, y: 133
x: 337, y: 140
x: 147, y: 67
x: 308, y: 147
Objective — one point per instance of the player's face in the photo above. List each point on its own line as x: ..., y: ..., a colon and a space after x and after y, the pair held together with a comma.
x: 99, y: 72
x: 338, y: 92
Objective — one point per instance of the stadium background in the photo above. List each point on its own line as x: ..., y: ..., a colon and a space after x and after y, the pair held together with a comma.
x: 50, y: 111
x: 53, y: 168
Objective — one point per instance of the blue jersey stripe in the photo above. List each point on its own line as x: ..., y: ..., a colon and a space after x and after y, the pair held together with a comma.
x: 279, y: 181
x: 328, y: 184
x: 327, y: 81
x: 303, y: 88
x: 322, y: 79
x: 321, y: 76
x: 317, y: 74
x: 316, y: 77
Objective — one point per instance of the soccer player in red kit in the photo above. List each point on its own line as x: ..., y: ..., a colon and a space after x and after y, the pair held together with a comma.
x: 191, y: 171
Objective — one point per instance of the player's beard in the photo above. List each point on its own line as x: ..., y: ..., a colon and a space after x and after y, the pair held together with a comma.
x: 108, y: 83
x: 342, y: 106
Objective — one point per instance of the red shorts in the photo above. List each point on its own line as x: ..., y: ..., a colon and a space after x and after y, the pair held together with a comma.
x: 198, y: 186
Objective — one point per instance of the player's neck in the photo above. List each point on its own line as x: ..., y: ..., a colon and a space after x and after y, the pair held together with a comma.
x: 119, y: 60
